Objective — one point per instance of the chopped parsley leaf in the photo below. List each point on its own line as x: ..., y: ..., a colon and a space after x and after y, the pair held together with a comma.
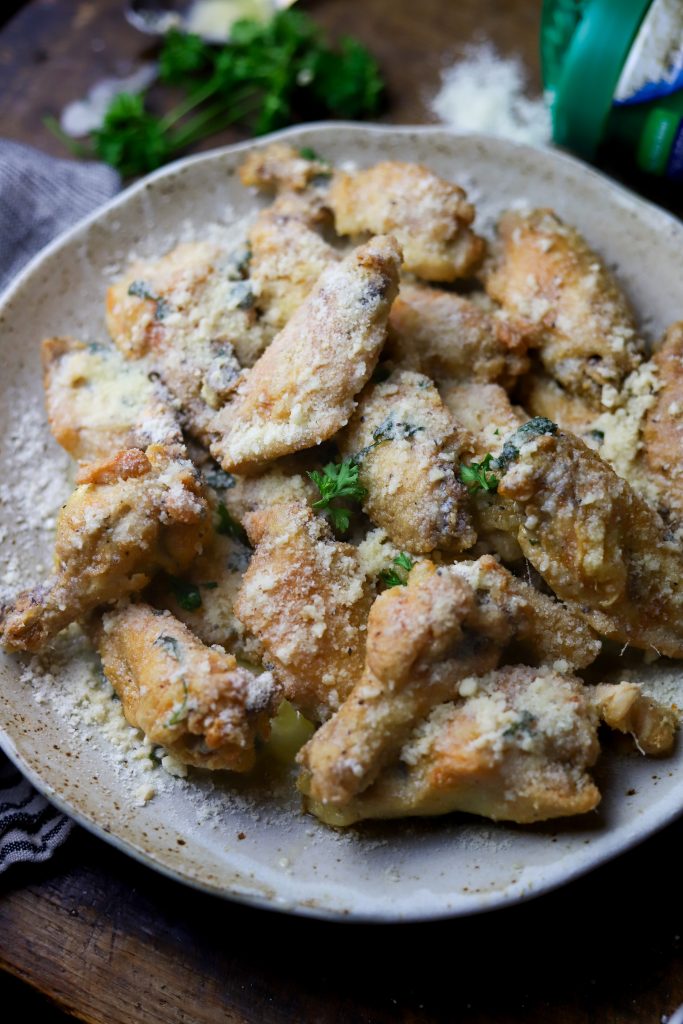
x: 392, y: 578
x: 338, y: 480
x: 477, y: 476
x: 186, y: 594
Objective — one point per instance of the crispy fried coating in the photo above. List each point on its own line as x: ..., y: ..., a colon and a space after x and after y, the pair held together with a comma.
x: 192, y: 314
x: 279, y: 484
x: 544, y: 630
x: 99, y: 404
x: 557, y: 290
x: 624, y: 706
x: 429, y: 216
x: 517, y: 748
x: 452, y: 339
x: 131, y: 516
x: 597, y: 544
x: 543, y: 396
x: 423, y: 640
x: 408, y: 450
x: 288, y: 255
x: 279, y: 167
x: 191, y: 699
x: 306, y: 599
x: 663, y: 426
x: 301, y: 390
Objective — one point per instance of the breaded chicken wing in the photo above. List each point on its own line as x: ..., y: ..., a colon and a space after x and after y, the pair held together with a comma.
x: 423, y: 640
x: 624, y: 706
x: 452, y: 339
x: 557, y: 290
x: 408, y: 449
x: 517, y: 748
x: 302, y: 389
x: 663, y: 426
x: 191, y: 699
x: 131, y: 516
x: 287, y: 257
x: 306, y: 599
x: 280, y: 484
x: 543, y: 396
x: 600, y: 546
x: 192, y: 314
x: 99, y: 404
x: 430, y: 217
x: 279, y: 167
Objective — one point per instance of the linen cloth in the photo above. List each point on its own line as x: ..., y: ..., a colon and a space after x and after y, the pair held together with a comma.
x: 40, y: 197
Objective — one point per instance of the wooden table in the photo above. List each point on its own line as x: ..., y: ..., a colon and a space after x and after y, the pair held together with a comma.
x: 110, y: 941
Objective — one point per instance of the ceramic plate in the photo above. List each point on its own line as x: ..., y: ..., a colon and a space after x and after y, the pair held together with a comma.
x: 233, y: 838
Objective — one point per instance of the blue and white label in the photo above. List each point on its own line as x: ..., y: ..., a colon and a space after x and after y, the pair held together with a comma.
x: 655, y: 63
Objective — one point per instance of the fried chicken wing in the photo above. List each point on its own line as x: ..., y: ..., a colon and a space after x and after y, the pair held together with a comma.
x: 430, y: 217
x: 423, y: 640
x: 517, y: 748
x: 131, y: 516
x: 600, y: 546
x: 543, y: 396
x: 301, y: 391
x: 306, y: 599
x: 191, y: 699
x: 558, y: 291
x: 452, y: 339
x: 663, y: 426
x: 408, y: 449
x: 280, y: 167
x: 99, y: 404
x: 192, y: 314
x: 280, y: 484
x: 624, y: 706
x: 288, y: 255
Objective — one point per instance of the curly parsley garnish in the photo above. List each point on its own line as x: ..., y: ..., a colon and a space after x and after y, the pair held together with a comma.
x: 392, y: 578
x: 478, y: 477
x: 338, y: 480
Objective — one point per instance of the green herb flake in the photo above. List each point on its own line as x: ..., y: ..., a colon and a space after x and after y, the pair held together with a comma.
x: 219, y: 479
x: 168, y: 644
x: 182, y: 711
x: 525, y: 723
x: 229, y: 527
x: 338, y: 480
x: 306, y: 153
x: 535, y: 427
x: 478, y: 477
x: 186, y: 594
x: 392, y: 578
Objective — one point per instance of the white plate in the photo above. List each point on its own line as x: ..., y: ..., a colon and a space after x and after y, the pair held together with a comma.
x: 227, y: 837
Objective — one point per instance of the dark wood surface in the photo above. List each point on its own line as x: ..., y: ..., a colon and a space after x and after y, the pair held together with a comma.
x: 109, y: 941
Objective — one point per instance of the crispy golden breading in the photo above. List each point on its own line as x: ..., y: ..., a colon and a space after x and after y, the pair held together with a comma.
x: 663, y: 426
x: 131, y: 516
x: 279, y: 167
x: 517, y: 748
x: 452, y: 339
x: 191, y: 699
x: 280, y: 484
x: 557, y: 289
x: 423, y: 639
x: 623, y: 706
x: 544, y: 630
x: 408, y: 450
x: 306, y: 599
x: 430, y: 217
x: 301, y: 391
x: 600, y: 546
x: 99, y: 404
x: 192, y: 314
x: 543, y: 396
x: 287, y: 257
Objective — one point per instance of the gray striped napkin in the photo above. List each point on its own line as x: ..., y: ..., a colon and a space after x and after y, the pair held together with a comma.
x: 39, y: 198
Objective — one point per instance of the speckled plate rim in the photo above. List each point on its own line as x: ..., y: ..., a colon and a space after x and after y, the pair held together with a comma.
x: 662, y: 814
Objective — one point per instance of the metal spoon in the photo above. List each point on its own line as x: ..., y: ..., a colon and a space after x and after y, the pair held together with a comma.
x: 210, y: 19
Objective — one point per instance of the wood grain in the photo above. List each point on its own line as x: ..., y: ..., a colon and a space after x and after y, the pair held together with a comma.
x: 110, y: 941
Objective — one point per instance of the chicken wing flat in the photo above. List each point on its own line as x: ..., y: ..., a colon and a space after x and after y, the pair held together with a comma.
x: 408, y: 449
x: 430, y: 217
x: 301, y: 390
x: 597, y: 544
x: 280, y: 484
x: 131, y: 516
x: 191, y: 699
x: 282, y: 168
x: 99, y: 404
x: 517, y: 748
x: 452, y: 339
x: 288, y: 255
x: 663, y: 426
x: 306, y: 599
x: 192, y: 314
x: 557, y: 290
x: 423, y: 640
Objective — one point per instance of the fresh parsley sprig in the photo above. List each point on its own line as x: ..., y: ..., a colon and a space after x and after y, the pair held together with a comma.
x: 265, y: 77
x: 338, y: 480
x: 392, y: 578
x: 478, y: 476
